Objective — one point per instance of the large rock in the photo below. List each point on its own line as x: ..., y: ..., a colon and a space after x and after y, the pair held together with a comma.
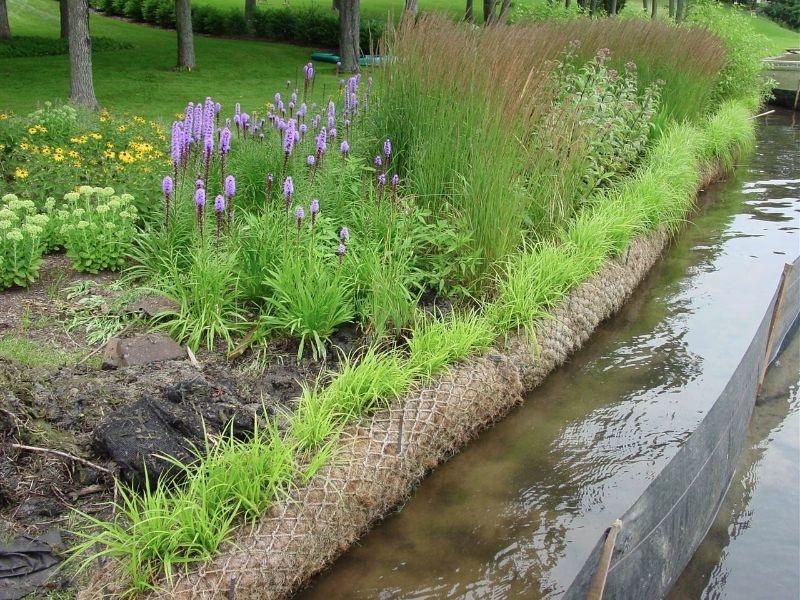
x: 141, y: 349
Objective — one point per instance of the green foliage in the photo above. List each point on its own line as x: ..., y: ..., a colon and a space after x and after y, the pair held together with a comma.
x: 165, y: 528
x: 97, y: 228
x: 23, y: 46
x: 22, y: 241
x: 310, y: 297
x: 728, y: 134
x: 436, y: 343
x: 204, y: 283
x: 783, y: 11
x: 740, y: 79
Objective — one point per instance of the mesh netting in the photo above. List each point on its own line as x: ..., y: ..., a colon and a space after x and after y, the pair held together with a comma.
x: 380, y: 460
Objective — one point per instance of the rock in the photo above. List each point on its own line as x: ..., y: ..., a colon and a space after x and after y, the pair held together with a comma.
x: 140, y: 350
x: 152, y: 305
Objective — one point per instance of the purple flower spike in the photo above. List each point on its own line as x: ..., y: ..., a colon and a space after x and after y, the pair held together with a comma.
x: 217, y: 107
x: 177, y: 144
x: 395, y: 182
x: 200, y: 197
x: 345, y: 148
x: 237, y: 109
x: 219, y: 204
x: 310, y: 161
x: 378, y: 162
x: 303, y: 129
x: 381, y: 180
x: 322, y: 139
x: 332, y: 133
x: 344, y: 234
x: 314, y: 209
x: 166, y: 186
x: 230, y: 187
x: 225, y: 141
x: 288, y: 189
x: 198, y: 183
x: 288, y: 139
x: 340, y: 251
x: 387, y: 149
x: 299, y: 214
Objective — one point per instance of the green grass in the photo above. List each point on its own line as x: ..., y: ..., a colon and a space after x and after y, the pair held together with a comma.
x: 142, y: 80
x: 33, y: 353
x: 779, y: 38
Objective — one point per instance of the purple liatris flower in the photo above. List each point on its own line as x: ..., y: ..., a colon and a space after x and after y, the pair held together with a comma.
x: 395, y: 182
x: 288, y: 138
x: 331, y: 122
x: 177, y: 144
x: 198, y: 122
x: 311, y: 161
x: 387, y: 149
x: 288, y: 190
x: 340, y: 251
x: 345, y: 148
x: 303, y: 130
x: 322, y: 141
x: 381, y: 180
x: 198, y: 183
x: 225, y: 141
x: 237, y: 109
x: 219, y: 204
x: 344, y: 235
x: 299, y: 214
x: 332, y: 133
x: 314, y: 209
x: 200, y: 197
x: 269, y: 181
x: 230, y: 187
x: 378, y: 162
x: 166, y: 186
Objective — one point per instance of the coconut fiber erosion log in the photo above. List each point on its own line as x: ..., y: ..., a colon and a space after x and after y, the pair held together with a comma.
x: 379, y: 461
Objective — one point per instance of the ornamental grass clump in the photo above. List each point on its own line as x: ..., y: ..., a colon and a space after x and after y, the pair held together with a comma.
x: 98, y: 227
x: 22, y: 241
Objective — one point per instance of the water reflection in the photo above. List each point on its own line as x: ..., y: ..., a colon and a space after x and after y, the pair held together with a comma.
x: 516, y: 513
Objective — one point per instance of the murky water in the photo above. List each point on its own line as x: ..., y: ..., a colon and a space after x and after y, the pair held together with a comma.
x: 516, y: 514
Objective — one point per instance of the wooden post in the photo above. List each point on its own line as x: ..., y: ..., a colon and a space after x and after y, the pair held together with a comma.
x: 599, y: 580
x: 776, y: 311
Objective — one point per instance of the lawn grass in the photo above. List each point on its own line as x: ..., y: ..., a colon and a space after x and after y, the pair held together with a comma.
x: 779, y: 38
x: 141, y: 80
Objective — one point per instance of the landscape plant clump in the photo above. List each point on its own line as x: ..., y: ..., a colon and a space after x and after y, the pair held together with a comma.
x: 97, y: 227
x: 22, y: 241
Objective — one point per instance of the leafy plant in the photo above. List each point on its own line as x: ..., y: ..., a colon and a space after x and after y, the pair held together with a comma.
x: 22, y: 241
x: 98, y: 228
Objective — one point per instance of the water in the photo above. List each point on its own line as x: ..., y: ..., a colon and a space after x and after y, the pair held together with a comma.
x: 516, y: 514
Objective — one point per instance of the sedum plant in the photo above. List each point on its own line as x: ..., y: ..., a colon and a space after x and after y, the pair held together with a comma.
x: 97, y: 228
x: 21, y: 242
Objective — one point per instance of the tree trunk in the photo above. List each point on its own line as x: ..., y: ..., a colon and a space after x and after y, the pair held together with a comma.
x: 349, y: 34
x: 63, y: 9
x: 567, y: 3
x: 593, y: 8
x: 645, y: 5
x: 249, y: 9
x: 488, y: 11
x: 654, y: 12
x: 680, y: 11
x: 411, y: 7
x: 613, y: 8
x: 671, y: 9
x: 5, y: 28
x: 505, y: 8
x: 183, y: 24
x: 469, y: 16
x: 80, y: 56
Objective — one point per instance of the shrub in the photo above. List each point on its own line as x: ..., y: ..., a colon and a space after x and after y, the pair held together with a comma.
x: 21, y: 241
x: 22, y: 46
x: 783, y: 11
x: 97, y: 228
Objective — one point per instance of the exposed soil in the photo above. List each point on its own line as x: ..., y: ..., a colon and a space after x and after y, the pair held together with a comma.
x: 70, y: 408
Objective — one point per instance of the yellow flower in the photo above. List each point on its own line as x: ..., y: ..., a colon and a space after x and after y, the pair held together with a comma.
x: 95, y: 136
x: 73, y: 154
x: 77, y: 164
x: 24, y: 146
x: 41, y: 129
x: 177, y: 116
x: 46, y: 150
x: 125, y: 156
x: 3, y: 116
x: 59, y: 150
x: 21, y: 173
x: 32, y: 130
x: 110, y: 154
x: 121, y: 128
x: 35, y: 150
x: 138, y: 119
x: 58, y: 157
x: 103, y: 118
x: 2, y: 146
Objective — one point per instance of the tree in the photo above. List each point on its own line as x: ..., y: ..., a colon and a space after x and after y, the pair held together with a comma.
x: 645, y: 6
x: 654, y: 13
x: 5, y: 28
x: 63, y: 10
x: 80, y: 56
x: 468, y: 15
x: 410, y: 7
x: 680, y: 11
x: 183, y: 25
x: 249, y: 9
x: 349, y: 34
